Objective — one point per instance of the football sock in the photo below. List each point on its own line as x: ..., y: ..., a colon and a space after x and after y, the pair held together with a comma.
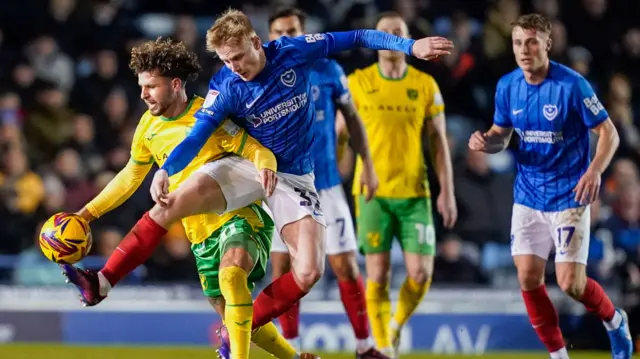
x: 352, y: 293
x: 379, y: 310
x: 136, y: 247
x: 544, y: 319
x: 596, y: 301
x: 289, y: 322
x: 238, y: 309
x: 411, y: 294
x: 269, y: 339
x: 276, y: 299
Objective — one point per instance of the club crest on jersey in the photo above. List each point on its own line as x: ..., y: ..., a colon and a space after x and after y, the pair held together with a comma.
x: 550, y: 112
x: 211, y: 98
x: 315, y: 92
x: 412, y: 94
x: 288, y: 78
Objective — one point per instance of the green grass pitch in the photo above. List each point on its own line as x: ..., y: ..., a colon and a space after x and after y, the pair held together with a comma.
x: 57, y: 351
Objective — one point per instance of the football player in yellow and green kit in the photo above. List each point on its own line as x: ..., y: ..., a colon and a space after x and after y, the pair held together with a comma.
x: 397, y: 102
x: 231, y: 249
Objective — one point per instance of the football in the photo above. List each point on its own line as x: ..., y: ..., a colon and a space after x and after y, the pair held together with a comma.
x: 65, y: 238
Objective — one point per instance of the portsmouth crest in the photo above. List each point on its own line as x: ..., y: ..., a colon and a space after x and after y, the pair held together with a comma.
x: 288, y: 78
x: 412, y: 94
x: 550, y: 112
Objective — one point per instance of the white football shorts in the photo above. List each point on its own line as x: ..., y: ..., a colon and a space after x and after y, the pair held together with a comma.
x: 295, y: 196
x: 340, y: 234
x: 535, y: 232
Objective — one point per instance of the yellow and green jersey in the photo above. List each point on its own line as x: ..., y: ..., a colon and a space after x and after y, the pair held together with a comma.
x: 394, y: 112
x: 154, y: 139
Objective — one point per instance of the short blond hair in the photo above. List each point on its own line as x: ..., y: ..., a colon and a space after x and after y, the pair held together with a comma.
x: 535, y: 22
x: 232, y: 26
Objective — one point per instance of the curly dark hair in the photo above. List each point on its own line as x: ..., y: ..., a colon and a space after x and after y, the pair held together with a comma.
x: 168, y: 57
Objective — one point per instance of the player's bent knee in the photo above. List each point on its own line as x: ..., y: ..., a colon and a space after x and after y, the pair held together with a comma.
x: 572, y: 280
x: 530, y: 271
x: 164, y: 216
x: 239, y: 251
x: 344, y: 266
x: 307, y: 274
x: 237, y: 257
x: 530, y: 278
x: 420, y: 276
x: 378, y: 266
x: 419, y: 267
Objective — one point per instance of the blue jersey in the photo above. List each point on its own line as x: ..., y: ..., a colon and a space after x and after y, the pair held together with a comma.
x: 275, y: 107
x: 328, y: 87
x: 553, y: 120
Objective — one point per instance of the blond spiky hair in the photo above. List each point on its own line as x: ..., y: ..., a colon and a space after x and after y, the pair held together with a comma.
x: 232, y: 26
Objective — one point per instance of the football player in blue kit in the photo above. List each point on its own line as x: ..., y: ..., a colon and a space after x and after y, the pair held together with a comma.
x: 266, y: 90
x: 553, y: 109
x: 331, y: 98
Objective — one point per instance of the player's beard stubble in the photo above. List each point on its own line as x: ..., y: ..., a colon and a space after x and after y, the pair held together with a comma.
x: 161, y: 106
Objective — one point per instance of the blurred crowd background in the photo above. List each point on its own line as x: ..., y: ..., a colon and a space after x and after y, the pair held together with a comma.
x: 69, y: 105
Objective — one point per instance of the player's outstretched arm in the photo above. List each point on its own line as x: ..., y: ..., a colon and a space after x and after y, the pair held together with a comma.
x: 117, y: 191
x: 498, y: 136
x: 189, y: 148
x: 127, y: 181
x: 492, y: 141
x: 314, y: 46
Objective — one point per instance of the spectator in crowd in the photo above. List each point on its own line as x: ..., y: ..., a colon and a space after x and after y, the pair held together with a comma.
x: 484, y: 201
x: 454, y: 267
x: 21, y: 193
x: 48, y: 125
x: 78, y: 188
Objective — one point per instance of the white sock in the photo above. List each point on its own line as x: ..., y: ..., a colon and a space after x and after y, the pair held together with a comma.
x: 560, y: 354
x: 362, y: 345
x: 615, y: 322
x: 103, y: 284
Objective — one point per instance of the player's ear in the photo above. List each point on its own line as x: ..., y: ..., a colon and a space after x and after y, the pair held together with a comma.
x: 256, y: 42
x: 176, y: 84
x: 549, y: 43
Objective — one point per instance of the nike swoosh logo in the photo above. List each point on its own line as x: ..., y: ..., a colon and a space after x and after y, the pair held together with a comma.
x: 515, y: 112
x: 373, y: 91
x: 243, y: 323
x: 250, y: 104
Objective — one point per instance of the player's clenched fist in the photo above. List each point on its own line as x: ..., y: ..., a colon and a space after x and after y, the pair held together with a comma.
x: 269, y: 180
x: 429, y: 48
x: 478, y: 141
x: 160, y: 188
